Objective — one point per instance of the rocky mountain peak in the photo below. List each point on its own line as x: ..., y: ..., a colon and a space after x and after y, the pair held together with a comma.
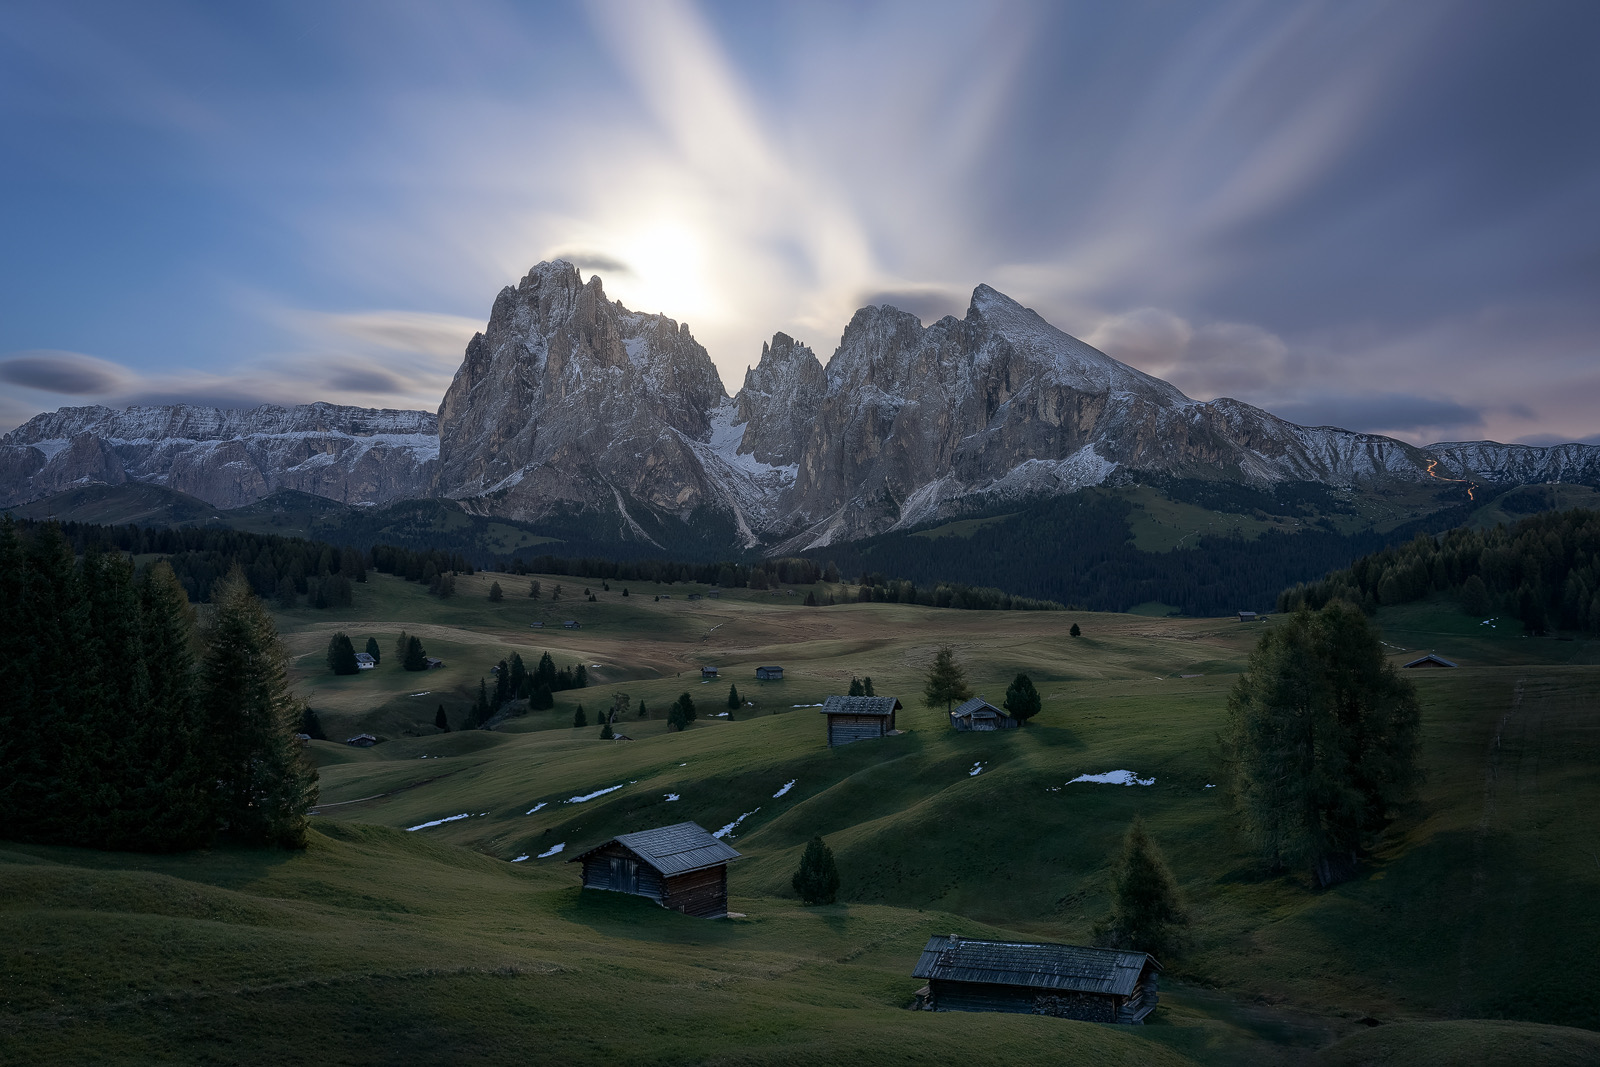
x: 779, y: 400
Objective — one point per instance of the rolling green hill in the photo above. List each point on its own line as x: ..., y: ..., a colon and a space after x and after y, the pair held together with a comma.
x: 384, y: 944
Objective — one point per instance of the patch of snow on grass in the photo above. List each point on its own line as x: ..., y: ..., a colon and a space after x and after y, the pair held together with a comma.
x: 438, y: 822
x: 786, y: 787
x: 727, y: 831
x: 808, y: 705
x: 671, y: 797
x: 553, y: 850
x: 520, y: 858
x: 591, y: 796
x: 537, y: 806
x: 424, y: 693
x: 1114, y: 778
x: 1210, y: 787
x: 977, y: 768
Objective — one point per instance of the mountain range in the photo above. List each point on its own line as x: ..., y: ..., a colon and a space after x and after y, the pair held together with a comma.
x: 569, y: 409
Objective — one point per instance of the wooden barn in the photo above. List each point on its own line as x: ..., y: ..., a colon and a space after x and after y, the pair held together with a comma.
x: 708, y: 674
x: 858, y: 718
x: 1430, y: 660
x: 769, y: 674
x: 1095, y: 985
x: 681, y: 867
x: 979, y: 714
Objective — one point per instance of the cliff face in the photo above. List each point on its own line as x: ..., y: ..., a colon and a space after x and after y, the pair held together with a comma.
x: 226, y: 458
x: 570, y: 402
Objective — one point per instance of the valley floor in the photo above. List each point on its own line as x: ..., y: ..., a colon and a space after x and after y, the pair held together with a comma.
x: 1468, y: 937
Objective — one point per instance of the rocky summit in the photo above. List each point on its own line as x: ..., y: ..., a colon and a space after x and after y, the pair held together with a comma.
x: 569, y: 407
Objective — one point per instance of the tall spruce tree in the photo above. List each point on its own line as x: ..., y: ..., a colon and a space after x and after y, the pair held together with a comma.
x: 416, y: 657
x: 374, y: 651
x: 733, y: 697
x: 265, y: 782
x: 174, y: 794
x: 1022, y: 699
x: 441, y: 723
x: 342, y: 655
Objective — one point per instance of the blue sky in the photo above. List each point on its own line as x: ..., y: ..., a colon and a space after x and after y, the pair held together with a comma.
x: 1378, y: 215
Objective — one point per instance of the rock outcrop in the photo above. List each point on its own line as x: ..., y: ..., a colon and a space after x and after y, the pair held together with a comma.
x: 227, y: 458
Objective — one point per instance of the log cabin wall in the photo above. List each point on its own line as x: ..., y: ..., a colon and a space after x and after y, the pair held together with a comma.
x: 703, y: 893
x: 620, y: 870
x: 1021, y: 1000
x: 845, y: 729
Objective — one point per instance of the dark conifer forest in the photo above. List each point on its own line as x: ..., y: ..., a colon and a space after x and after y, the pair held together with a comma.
x: 126, y: 726
x: 1543, y: 571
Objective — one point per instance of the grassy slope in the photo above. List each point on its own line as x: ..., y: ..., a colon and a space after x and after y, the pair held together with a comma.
x: 380, y: 944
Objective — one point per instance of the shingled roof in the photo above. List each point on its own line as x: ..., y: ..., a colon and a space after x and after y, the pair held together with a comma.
x: 860, y: 706
x: 1033, y: 964
x: 977, y: 704
x: 676, y: 849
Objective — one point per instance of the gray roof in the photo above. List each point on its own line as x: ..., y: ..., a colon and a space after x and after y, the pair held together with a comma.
x: 1431, y: 658
x: 1039, y: 965
x: 860, y: 706
x: 676, y: 849
x: 976, y: 704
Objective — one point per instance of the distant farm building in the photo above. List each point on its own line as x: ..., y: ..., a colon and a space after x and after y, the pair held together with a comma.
x: 433, y: 662
x: 769, y: 674
x: 362, y: 741
x: 694, y: 596
x: 1092, y: 984
x: 536, y: 625
x: 1432, y: 661
x: 680, y: 867
x: 573, y: 624
x: 979, y: 714
x: 715, y: 594
x: 853, y: 719
x: 1248, y: 616
x: 707, y: 673
x: 364, y: 661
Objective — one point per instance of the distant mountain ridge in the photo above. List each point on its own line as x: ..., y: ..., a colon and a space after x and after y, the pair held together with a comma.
x: 227, y: 458
x: 569, y: 408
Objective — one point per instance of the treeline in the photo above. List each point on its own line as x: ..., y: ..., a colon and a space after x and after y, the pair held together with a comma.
x: 123, y: 726
x: 282, y: 569
x: 775, y: 573
x: 762, y: 574
x: 1077, y: 550
x: 1544, y: 571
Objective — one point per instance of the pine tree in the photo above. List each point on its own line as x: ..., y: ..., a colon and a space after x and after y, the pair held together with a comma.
x: 580, y: 677
x: 947, y: 681
x: 644, y: 713
x: 1475, y: 597
x: 733, y: 697
x: 101, y: 769
x: 579, y: 719
x: 416, y: 658
x: 494, y: 592
x: 856, y: 689
x: 533, y: 590
x: 1022, y: 699
x: 541, y: 699
x: 517, y: 688
x: 866, y: 687
x: 1147, y: 909
x: 342, y: 655
x: 1075, y: 631
x: 682, y: 713
x: 401, y: 643
x: 480, y: 707
x: 266, y: 783
x: 311, y: 725
x: 441, y: 723
x: 374, y: 651
x: 606, y: 733
x: 817, y: 879
x: 545, y: 673
x: 502, y: 685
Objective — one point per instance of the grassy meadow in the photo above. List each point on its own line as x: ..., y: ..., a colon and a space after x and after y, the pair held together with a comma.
x: 1468, y: 937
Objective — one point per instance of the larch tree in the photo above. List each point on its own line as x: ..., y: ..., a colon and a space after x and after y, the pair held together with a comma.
x: 947, y: 681
x: 1321, y: 740
x: 373, y: 650
x: 342, y: 655
x: 1022, y: 699
x: 817, y: 879
x: 1148, y: 913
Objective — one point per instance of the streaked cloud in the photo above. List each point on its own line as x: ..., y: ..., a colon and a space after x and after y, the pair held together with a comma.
x: 65, y: 373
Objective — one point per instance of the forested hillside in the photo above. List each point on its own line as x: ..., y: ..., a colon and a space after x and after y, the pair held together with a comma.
x: 1543, y: 571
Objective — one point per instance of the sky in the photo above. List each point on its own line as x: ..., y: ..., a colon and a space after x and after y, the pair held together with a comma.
x: 1375, y: 215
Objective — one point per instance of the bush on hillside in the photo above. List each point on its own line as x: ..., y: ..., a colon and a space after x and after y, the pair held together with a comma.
x: 1022, y: 699
x: 817, y: 879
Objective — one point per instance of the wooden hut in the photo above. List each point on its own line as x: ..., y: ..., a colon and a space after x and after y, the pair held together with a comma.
x: 1030, y: 978
x: 681, y: 867
x: 858, y: 718
x: 769, y: 674
x: 708, y: 674
x: 1248, y: 616
x: 979, y: 714
x: 1431, y: 660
